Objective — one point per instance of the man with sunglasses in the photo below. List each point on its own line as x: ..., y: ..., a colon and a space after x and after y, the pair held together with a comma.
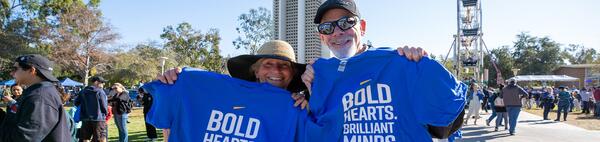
x: 341, y: 29
x: 38, y: 113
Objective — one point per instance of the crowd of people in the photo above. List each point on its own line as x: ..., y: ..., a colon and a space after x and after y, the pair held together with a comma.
x: 506, y: 101
x: 36, y: 106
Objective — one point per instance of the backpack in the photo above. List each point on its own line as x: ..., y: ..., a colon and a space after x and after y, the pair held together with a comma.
x: 126, y: 105
x: 499, y: 102
x: 129, y: 106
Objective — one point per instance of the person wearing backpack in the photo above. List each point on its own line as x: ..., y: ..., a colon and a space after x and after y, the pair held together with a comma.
x: 500, y: 111
x: 121, y: 107
x: 547, y: 102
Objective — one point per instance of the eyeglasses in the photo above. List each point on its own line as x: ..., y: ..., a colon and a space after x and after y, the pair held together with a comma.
x: 343, y: 23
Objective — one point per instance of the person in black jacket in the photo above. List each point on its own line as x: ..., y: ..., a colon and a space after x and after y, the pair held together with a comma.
x: 147, y: 103
x: 38, y: 113
x: 486, y: 95
x: 92, y: 102
x: 121, y: 108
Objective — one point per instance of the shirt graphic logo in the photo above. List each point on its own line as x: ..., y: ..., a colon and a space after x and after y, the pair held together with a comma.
x: 238, y: 107
x: 366, y: 81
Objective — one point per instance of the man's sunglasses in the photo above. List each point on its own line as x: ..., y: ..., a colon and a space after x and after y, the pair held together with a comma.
x: 344, y: 23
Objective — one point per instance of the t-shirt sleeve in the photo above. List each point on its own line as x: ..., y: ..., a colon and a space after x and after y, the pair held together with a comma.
x: 438, y: 97
x: 164, y: 104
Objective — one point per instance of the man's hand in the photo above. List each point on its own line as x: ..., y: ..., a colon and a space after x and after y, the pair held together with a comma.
x: 169, y: 76
x: 412, y: 53
x: 300, y: 100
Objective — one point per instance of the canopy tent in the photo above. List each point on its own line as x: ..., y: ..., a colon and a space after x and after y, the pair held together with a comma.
x: 69, y: 82
x: 544, y: 78
x: 65, y: 82
x: 8, y: 83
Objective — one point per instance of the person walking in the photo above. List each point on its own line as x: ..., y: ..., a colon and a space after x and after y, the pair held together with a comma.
x: 500, y: 108
x: 511, y: 95
x: 474, y: 97
x: 486, y: 95
x: 493, y: 105
x: 564, y: 99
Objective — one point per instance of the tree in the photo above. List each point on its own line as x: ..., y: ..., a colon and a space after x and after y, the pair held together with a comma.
x: 504, y: 62
x: 579, y: 54
x: 139, y: 64
x: 16, y: 46
x: 79, y: 42
x: 535, y: 55
x: 256, y: 27
x: 24, y: 24
x: 194, y: 48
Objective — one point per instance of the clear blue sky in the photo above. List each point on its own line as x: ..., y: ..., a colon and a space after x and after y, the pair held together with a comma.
x: 426, y: 23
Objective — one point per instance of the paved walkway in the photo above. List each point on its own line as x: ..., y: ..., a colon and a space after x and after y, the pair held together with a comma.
x: 530, y: 128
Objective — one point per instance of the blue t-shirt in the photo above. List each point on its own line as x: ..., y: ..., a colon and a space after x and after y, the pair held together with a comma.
x: 206, y: 106
x: 379, y: 96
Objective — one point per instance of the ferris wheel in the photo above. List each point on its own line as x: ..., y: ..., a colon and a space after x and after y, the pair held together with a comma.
x: 468, y: 43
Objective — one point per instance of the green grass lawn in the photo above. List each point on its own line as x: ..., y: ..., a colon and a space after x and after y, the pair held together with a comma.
x: 137, y: 129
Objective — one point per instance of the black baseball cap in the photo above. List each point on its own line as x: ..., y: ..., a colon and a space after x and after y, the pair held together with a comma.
x: 40, y: 63
x: 333, y: 4
x: 98, y: 78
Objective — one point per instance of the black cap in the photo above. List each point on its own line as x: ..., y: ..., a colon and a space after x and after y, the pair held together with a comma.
x: 97, y: 78
x: 512, y: 81
x: 333, y: 4
x: 40, y: 63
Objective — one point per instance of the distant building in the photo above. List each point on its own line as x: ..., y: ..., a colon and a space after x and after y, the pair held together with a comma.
x: 294, y: 24
x: 588, y: 74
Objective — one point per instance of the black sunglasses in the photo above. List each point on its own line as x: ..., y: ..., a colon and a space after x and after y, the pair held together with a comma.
x: 21, y: 59
x: 344, y: 23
